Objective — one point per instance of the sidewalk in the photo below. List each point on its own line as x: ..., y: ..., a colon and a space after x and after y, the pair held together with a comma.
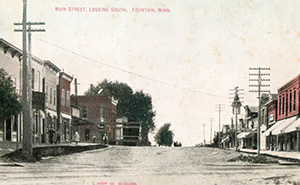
x: 7, y: 146
x: 291, y: 156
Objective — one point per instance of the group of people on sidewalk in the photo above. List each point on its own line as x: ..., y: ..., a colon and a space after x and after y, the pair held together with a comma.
x: 52, y: 135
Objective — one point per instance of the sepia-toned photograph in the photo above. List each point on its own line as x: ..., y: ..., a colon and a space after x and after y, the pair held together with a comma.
x: 131, y: 92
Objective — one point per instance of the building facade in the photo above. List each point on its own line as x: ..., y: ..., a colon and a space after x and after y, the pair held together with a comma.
x: 285, y: 132
x: 64, y: 108
x: 50, y: 83
x: 10, y: 61
x: 100, y: 112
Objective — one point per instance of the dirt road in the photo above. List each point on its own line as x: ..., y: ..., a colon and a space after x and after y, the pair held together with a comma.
x: 148, y: 166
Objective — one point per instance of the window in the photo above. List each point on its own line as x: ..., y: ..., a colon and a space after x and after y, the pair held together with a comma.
x: 39, y: 80
x: 68, y: 99
x: 102, y: 113
x: 54, y: 97
x: 279, y: 106
x: 283, y: 102
x: 50, y: 98
x: 63, y: 99
x: 263, y: 116
x: 46, y: 93
x: 32, y: 78
x: 287, y: 104
x: 84, y: 112
x: 294, y: 103
x: 290, y: 107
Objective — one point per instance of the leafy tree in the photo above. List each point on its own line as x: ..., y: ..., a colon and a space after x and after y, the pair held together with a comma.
x: 164, y: 136
x: 9, y: 104
x: 136, y: 106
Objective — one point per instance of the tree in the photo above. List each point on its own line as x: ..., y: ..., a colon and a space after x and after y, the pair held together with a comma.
x: 136, y: 106
x: 9, y: 103
x: 164, y: 136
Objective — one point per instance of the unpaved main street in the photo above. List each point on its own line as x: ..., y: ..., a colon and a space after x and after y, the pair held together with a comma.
x: 149, y: 166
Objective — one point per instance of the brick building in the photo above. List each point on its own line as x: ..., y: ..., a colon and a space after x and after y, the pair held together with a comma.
x: 286, y: 129
x: 64, y: 107
x: 100, y: 113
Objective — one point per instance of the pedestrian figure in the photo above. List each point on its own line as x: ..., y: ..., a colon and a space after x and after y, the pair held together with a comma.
x: 77, y: 138
x: 94, y: 138
x: 57, y: 138
x: 105, y: 139
x: 51, y: 133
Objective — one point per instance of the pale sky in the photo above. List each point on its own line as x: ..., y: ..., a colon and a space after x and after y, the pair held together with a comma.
x: 187, y: 60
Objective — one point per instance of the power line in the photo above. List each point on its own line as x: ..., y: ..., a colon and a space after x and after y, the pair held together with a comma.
x: 259, y: 85
x: 129, y: 72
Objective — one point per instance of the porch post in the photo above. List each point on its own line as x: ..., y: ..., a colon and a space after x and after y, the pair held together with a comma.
x: 286, y: 142
x: 276, y: 144
x: 297, y: 141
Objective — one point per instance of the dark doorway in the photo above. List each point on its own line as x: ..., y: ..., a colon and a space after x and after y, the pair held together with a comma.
x: 87, y: 134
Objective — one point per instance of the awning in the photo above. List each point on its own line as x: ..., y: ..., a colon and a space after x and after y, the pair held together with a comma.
x: 285, y: 124
x: 225, y: 139
x: 66, y: 116
x: 291, y: 127
x: 243, y: 135
x: 51, y: 113
x: 277, y: 124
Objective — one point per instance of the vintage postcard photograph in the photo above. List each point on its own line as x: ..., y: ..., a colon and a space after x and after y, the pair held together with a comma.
x: 131, y: 92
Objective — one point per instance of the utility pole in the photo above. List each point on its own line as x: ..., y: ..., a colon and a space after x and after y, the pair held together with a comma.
x: 220, y: 108
x: 236, y: 106
x: 259, y: 91
x: 27, y: 119
x: 26, y: 85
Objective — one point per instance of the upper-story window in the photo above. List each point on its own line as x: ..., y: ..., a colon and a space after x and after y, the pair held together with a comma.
x: 84, y: 112
x: 46, y: 93
x: 287, y: 104
x: 102, y: 113
x: 294, y: 102
x: 283, y: 104
x: 290, y: 102
x: 279, y: 106
x: 39, y: 80
x: 50, y: 98
x: 63, y: 97
x: 68, y: 99
x: 32, y: 78
x: 54, y: 97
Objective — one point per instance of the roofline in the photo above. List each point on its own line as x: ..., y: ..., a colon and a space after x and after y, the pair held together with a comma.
x: 19, y: 51
x: 62, y: 73
x: 53, y: 66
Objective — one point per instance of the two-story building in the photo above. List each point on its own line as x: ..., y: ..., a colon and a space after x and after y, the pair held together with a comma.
x: 268, y: 118
x: 10, y: 61
x: 63, y: 107
x: 100, y: 113
x: 38, y: 102
x: 286, y: 129
x: 50, y: 83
